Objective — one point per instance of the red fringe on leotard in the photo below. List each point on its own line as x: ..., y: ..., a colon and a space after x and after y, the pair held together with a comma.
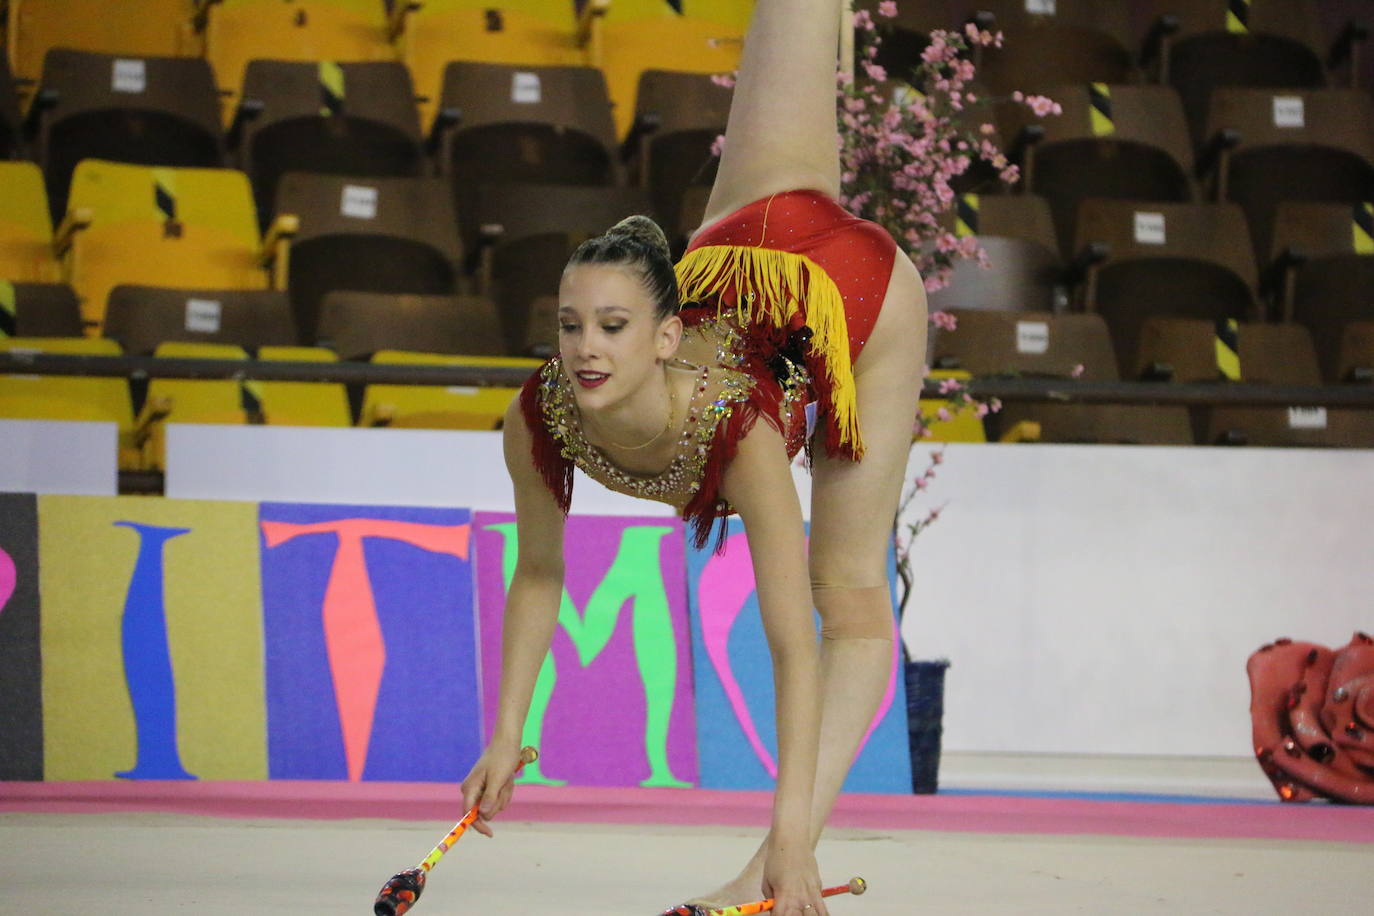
x: 556, y: 469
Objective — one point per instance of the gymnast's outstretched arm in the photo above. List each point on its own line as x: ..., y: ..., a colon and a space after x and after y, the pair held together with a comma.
x: 781, y: 134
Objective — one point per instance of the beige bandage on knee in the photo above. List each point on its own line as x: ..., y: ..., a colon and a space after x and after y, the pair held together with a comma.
x: 854, y: 613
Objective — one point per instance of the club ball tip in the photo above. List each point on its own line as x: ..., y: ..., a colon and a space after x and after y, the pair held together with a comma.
x: 857, y: 886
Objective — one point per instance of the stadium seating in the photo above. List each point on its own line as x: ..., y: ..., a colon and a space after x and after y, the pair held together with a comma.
x: 384, y: 235
x: 38, y: 310
x: 435, y: 406
x: 527, y: 34
x: 1324, y: 266
x: 11, y: 129
x: 1209, y: 44
x: 356, y: 325
x: 1186, y: 260
x: 143, y: 317
x: 238, y: 31
x: 56, y: 397
x: 550, y: 125
x: 1050, y: 42
x: 1294, y: 145
x: 677, y: 119
x: 1024, y: 270
x: 335, y: 118
x: 26, y: 236
x: 188, y: 228
x: 988, y: 342
x: 147, y: 28
x: 638, y: 35
x: 1123, y: 142
x: 147, y: 111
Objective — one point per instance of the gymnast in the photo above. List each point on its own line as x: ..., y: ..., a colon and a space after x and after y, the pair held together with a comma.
x: 783, y: 299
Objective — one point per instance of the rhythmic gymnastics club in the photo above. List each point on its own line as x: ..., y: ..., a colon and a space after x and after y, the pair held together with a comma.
x: 403, y: 890
x: 856, y: 886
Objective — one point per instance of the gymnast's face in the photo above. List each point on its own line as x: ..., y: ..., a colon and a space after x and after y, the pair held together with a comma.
x: 609, y: 337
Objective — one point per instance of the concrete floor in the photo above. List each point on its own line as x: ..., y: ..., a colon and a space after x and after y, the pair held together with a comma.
x: 97, y: 864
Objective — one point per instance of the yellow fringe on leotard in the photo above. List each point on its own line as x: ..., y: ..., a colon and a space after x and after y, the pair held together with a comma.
x: 773, y: 286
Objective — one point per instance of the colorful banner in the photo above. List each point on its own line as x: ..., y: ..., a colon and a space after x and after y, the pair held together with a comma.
x: 736, y: 730
x: 371, y: 661
x: 21, y: 699
x: 151, y: 639
x: 621, y: 643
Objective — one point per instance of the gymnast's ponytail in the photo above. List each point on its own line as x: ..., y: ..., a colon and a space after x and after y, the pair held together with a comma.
x: 637, y: 243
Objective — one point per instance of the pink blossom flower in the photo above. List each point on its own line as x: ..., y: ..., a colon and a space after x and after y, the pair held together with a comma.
x: 937, y: 457
x: 1077, y: 371
x: 950, y: 385
x: 723, y: 79
x: 943, y: 415
x: 888, y: 8
x: 944, y: 320
x: 718, y: 145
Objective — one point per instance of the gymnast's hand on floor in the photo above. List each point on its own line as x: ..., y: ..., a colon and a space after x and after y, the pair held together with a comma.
x: 790, y: 876
x: 490, y: 782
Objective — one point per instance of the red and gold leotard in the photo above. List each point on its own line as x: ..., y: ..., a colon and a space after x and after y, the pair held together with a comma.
x: 778, y: 299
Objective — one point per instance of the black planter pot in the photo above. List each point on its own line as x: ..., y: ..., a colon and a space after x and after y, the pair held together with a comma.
x: 925, y: 707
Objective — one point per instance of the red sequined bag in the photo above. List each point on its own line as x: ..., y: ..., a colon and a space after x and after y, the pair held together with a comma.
x: 1312, y: 711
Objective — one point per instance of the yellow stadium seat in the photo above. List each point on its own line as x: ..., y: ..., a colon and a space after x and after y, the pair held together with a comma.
x: 435, y: 406
x: 302, y: 403
x: 59, y: 397
x: 147, y: 28
x: 189, y: 228
x: 650, y: 36
x: 237, y: 31
x: 188, y: 400
x: 517, y: 32
x: 26, y: 249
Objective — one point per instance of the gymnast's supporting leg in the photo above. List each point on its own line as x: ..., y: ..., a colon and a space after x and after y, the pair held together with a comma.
x: 852, y: 507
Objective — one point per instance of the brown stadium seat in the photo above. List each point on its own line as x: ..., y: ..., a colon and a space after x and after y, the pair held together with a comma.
x: 430, y: 34
x: 39, y: 310
x: 1169, y: 259
x: 144, y: 111
x: 147, y: 28
x: 1024, y: 270
x: 1210, y: 44
x: 699, y: 36
x: 906, y: 36
x: 326, y: 117
x: 143, y: 317
x: 383, y: 235
x: 1323, y: 274
x: 174, y: 227
x: 1051, y: 43
x: 11, y: 128
x: 1315, y: 145
x: 525, y: 274
x: 26, y: 236
x: 1283, y: 354
x: 550, y: 125
x: 677, y: 118
x: 235, y: 32
x: 356, y: 325
x: 988, y: 343
x: 1117, y: 141
x: 502, y: 213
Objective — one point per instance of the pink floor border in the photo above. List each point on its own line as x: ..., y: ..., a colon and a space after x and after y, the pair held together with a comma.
x: 981, y: 813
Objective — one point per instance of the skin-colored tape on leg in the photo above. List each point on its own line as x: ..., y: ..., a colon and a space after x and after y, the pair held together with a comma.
x: 854, y: 613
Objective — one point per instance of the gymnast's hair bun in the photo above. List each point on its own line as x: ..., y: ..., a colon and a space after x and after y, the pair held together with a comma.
x: 642, y: 230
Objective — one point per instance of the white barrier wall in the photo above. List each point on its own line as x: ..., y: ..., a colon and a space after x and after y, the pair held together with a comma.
x: 1092, y: 599
x: 40, y: 456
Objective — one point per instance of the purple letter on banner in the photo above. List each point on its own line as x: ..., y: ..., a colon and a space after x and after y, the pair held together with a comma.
x: 371, y: 653
x: 613, y: 703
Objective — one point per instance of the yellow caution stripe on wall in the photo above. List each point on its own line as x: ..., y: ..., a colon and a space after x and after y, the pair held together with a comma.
x: 1362, y: 228
x: 1100, y: 109
x: 9, y: 310
x: 1228, y: 349
x: 966, y: 215
x: 331, y: 88
x: 1238, y: 17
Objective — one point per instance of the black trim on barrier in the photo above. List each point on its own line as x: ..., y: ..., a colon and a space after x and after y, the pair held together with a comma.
x: 1231, y: 394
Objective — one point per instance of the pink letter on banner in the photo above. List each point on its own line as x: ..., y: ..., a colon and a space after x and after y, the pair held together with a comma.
x: 613, y: 702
